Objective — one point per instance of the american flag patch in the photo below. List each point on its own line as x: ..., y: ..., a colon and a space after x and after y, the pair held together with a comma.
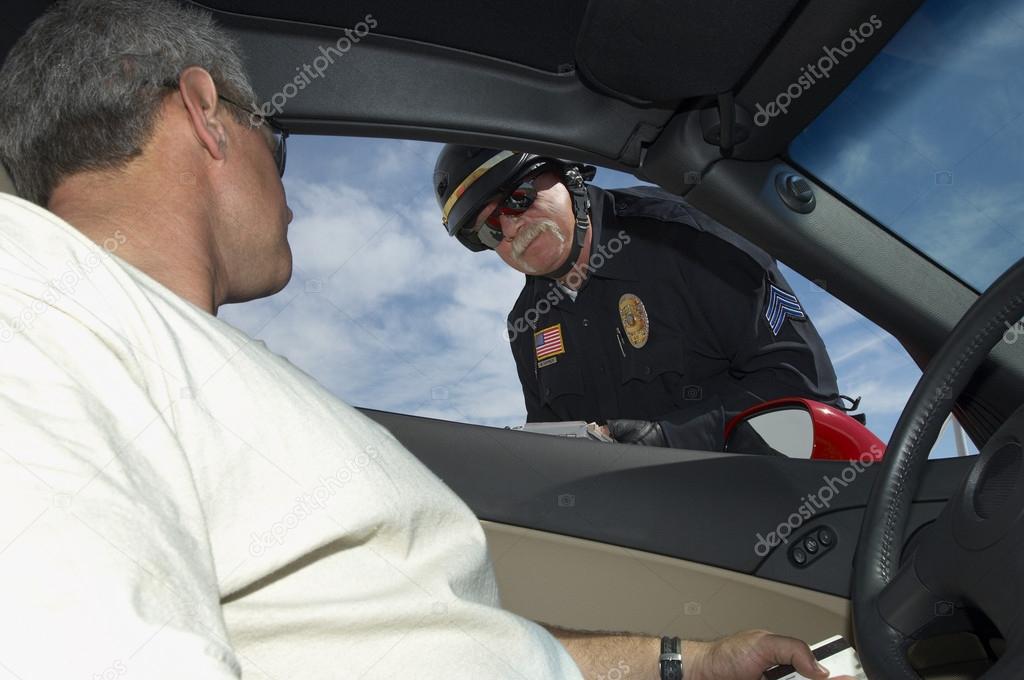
x: 548, y: 342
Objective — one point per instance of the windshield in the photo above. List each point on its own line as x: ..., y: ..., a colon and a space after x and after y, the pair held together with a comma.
x: 929, y: 141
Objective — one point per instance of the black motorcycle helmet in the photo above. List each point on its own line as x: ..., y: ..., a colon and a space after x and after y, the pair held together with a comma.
x: 466, y: 178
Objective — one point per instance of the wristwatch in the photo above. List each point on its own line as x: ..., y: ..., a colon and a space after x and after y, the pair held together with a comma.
x: 671, y: 660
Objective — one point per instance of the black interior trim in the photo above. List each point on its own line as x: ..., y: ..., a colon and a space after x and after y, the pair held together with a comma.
x: 535, y: 33
x: 633, y: 49
x: 697, y: 506
x: 517, y: 88
x: 394, y: 86
x: 857, y: 209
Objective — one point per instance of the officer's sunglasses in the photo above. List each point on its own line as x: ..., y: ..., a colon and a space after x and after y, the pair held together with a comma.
x: 277, y: 132
x: 515, y: 202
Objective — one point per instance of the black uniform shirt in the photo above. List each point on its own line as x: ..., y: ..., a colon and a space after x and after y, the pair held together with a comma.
x: 723, y: 328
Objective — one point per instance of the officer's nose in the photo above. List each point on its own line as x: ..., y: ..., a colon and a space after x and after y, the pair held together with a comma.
x: 510, y: 225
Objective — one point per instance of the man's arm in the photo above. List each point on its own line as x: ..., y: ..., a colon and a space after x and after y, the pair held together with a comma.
x: 105, y: 566
x: 597, y: 654
x: 743, y: 656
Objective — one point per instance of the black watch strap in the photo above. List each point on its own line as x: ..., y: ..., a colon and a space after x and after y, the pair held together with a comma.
x: 671, y: 660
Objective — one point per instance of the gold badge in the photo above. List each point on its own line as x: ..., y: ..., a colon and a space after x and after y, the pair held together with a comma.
x: 634, y: 320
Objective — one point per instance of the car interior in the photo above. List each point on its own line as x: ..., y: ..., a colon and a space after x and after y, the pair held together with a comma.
x: 594, y: 536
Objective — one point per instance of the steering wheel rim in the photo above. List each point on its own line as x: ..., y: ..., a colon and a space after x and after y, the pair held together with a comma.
x: 890, y: 601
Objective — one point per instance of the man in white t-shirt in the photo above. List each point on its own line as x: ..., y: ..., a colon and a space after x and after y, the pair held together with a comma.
x: 180, y: 502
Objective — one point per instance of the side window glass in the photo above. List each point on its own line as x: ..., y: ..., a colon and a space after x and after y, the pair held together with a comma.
x: 389, y: 313
x: 870, y: 364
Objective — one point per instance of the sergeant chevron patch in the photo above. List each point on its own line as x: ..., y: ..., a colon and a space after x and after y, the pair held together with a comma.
x: 779, y: 306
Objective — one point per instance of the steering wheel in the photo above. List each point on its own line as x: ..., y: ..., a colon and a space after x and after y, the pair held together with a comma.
x: 973, y: 554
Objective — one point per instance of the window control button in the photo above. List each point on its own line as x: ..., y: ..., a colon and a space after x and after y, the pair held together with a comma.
x: 826, y: 538
x: 811, y: 545
x: 799, y: 556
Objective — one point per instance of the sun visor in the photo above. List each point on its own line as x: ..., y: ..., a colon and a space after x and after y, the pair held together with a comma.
x: 669, y: 50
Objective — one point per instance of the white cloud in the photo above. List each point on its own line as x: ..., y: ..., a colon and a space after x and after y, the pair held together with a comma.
x: 852, y: 164
x: 827, y: 313
x: 862, y: 344
x: 880, y: 396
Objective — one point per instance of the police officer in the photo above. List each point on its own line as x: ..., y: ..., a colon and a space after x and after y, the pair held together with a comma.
x: 638, y: 311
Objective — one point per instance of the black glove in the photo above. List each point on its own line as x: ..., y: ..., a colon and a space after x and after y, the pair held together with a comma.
x: 643, y: 432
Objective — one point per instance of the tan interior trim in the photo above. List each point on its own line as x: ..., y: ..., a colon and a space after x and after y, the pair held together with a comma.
x: 587, y: 585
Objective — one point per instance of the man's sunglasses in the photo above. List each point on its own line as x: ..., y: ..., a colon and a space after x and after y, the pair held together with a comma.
x: 515, y: 202
x: 278, y: 133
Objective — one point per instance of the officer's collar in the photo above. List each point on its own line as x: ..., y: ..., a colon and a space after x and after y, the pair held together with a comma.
x: 610, y: 256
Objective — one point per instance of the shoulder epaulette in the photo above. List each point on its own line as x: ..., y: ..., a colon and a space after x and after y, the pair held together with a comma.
x: 658, y: 204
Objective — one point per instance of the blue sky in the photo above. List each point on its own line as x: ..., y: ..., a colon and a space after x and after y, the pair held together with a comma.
x: 929, y: 139
x: 389, y: 313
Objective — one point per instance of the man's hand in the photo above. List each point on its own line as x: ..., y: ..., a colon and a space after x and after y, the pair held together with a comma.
x: 745, y: 656
x: 643, y: 432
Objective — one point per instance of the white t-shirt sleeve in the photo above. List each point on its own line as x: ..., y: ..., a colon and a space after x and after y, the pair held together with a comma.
x: 101, y: 570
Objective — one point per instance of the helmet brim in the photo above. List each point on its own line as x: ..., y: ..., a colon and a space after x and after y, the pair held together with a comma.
x: 463, y: 214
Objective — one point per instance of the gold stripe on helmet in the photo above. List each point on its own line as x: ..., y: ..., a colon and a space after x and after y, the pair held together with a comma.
x: 468, y: 182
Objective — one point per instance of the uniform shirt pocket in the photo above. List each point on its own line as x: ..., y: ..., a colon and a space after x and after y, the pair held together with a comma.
x: 662, y: 377
x: 558, y: 380
x: 654, y: 361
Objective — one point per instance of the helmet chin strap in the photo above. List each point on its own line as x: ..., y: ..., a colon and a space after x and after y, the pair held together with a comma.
x: 581, y: 210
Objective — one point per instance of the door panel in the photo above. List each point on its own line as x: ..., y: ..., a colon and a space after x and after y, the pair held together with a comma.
x: 587, y: 585
x: 707, y: 508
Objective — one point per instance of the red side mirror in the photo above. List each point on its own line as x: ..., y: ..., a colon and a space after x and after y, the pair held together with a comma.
x: 802, y: 428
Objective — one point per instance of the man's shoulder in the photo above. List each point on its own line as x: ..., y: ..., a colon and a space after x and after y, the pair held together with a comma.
x: 673, y: 217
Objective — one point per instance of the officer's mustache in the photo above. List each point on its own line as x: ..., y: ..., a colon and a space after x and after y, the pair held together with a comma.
x: 531, y: 231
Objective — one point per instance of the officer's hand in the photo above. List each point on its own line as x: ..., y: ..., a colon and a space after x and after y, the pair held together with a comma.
x: 643, y: 432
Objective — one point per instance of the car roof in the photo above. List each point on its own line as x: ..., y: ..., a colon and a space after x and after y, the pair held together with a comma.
x: 603, y: 81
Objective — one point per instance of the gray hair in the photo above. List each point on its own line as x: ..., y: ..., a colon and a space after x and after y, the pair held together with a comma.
x: 81, y: 89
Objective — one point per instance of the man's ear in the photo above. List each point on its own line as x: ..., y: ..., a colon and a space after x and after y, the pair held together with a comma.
x: 205, y: 111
